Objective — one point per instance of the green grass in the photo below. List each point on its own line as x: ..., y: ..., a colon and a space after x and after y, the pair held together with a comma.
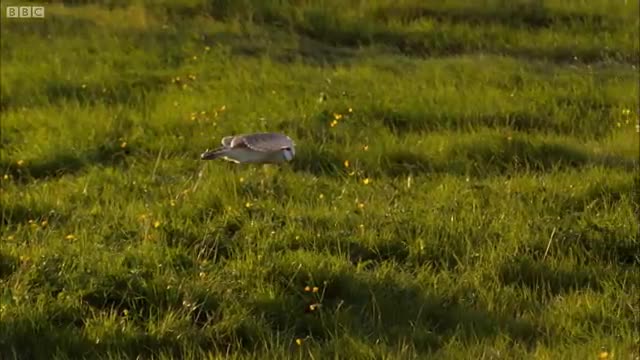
x: 489, y: 208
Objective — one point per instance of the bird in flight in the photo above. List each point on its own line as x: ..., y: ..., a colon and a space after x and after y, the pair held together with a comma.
x: 264, y: 148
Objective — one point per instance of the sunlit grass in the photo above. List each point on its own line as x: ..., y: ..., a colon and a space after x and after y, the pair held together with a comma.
x: 465, y: 182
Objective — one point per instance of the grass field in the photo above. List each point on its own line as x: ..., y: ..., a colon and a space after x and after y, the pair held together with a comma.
x: 465, y: 185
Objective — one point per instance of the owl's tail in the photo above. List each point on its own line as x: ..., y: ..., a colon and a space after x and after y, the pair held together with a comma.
x: 213, y: 154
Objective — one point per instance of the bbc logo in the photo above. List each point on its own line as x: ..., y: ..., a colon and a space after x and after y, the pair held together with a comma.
x: 25, y: 12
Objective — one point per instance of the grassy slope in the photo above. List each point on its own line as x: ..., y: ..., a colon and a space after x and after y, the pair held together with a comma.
x: 499, y: 142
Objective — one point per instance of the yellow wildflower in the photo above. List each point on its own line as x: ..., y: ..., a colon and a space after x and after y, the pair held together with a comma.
x: 172, y: 202
x: 337, y: 116
x: 350, y: 110
x: 346, y: 163
x: 156, y: 224
x: 248, y: 204
x: 70, y: 237
x: 123, y: 144
x: 366, y: 181
x: 20, y: 162
x: 307, y: 288
x: 333, y: 123
x: 299, y: 341
x: 360, y: 205
x: 365, y: 147
x: 315, y: 289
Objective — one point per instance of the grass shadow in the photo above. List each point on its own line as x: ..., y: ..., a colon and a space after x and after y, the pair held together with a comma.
x: 539, y: 276
x: 134, y: 91
x: 281, y: 47
x: 322, y: 26
x: 213, y: 246
x: 8, y: 265
x: 381, y: 309
x: 143, y: 298
x: 599, y: 195
x: 403, y: 163
x: 599, y: 243
x: 13, y: 214
x: 401, y: 122
x: 123, y: 87
x: 517, y: 153
x: 356, y: 251
x: 135, y: 298
x: 110, y: 154
x: 497, y: 156
x: 317, y: 161
x: 516, y: 15
x: 49, y: 274
x: 27, y: 338
x: 46, y: 26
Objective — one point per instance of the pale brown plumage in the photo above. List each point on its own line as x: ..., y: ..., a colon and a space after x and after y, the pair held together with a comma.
x: 253, y: 148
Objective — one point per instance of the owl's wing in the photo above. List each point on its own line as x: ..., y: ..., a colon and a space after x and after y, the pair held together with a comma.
x: 265, y: 141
